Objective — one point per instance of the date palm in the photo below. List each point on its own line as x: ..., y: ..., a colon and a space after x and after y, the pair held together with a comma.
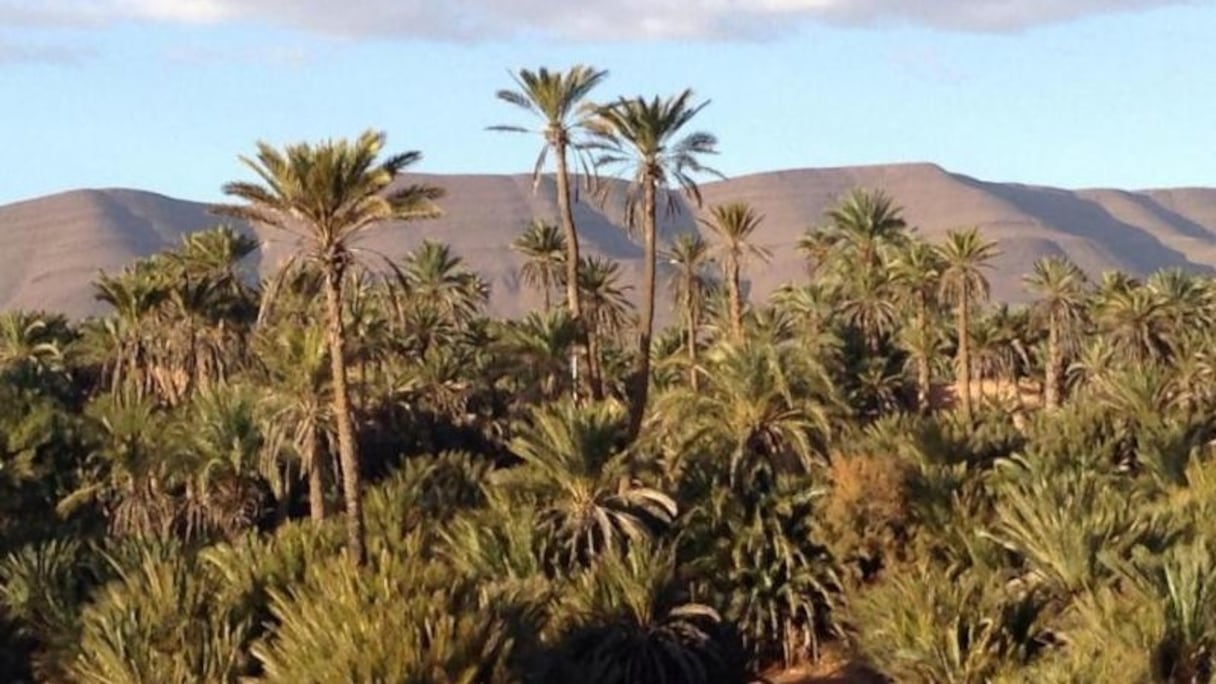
x: 869, y: 304
x: 1138, y: 323
x: 734, y: 225
x: 965, y: 255
x: 327, y: 195
x: 544, y: 251
x: 31, y: 343
x: 1060, y: 285
x: 433, y: 276
x: 557, y: 98
x: 608, y: 309
x: 864, y: 222
x: 574, y: 468
x: 690, y: 285
x: 645, y: 138
x: 917, y: 270
x: 296, y: 405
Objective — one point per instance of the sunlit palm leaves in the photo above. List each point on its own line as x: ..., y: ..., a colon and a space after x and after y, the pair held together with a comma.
x: 575, y: 470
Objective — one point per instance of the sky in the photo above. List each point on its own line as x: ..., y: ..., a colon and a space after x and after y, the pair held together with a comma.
x: 165, y: 95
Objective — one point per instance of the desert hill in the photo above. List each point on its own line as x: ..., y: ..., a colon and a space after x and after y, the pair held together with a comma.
x: 52, y: 247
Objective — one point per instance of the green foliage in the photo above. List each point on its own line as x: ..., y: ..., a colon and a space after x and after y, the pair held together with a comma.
x: 925, y: 625
x: 755, y: 556
x: 160, y: 621
x: 589, y: 495
x: 621, y: 622
x: 402, y: 620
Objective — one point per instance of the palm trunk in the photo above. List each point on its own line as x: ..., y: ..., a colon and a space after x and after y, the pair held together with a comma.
x: 736, y: 298
x: 594, y: 372
x: 573, y: 296
x: 316, y: 480
x: 348, y: 456
x: 692, y: 338
x: 923, y: 372
x: 1051, y: 389
x: 964, y: 354
x: 640, y: 382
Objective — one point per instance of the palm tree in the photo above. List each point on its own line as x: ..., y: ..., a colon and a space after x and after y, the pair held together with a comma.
x: 296, y: 406
x: 573, y: 467
x: 1138, y: 323
x: 1060, y: 285
x: 433, y: 276
x: 641, y: 135
x: 964, y: 255
x: 690, y: 285
x: 557, y: 97
x: 540, y: 344
x: 917, y: 271
x: 869, y: 304
x: 608, y: 309
x: 768, y: 401
x: 31, y: 342
x: 864, y: 222
x: 327, y: 195
x: 544, y: 252
x: 734, y: 224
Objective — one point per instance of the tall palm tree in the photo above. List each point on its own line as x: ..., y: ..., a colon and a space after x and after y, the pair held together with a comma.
x: 734, y: 225
x: 327, y: 195
x: 544, y: 251
x: 644, y: 137
x: 690, y: 284
x: 557, y: 98
x: 965, y: 255
x: 917, y: 270
x: 1060, y: 285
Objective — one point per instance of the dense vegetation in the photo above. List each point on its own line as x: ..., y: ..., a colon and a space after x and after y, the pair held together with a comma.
x: 350, y: 473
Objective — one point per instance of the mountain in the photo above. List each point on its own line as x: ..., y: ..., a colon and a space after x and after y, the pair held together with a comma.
x: 51, y: 248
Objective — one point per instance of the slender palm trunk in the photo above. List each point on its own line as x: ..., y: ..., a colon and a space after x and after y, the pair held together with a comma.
x: 736, y: 298
x: 348, y: 456
x: 964, y: 353
x: 640, y: 382
x: 693, y: 324
x: 1051, y: 389
x: 573, y: 296
x: 923, y: 373
x: 593, y: 357
x: 316, y: 480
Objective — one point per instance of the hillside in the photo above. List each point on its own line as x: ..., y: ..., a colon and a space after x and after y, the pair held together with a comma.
x: 52, y: 247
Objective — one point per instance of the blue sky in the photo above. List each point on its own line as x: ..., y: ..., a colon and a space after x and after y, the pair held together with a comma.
x: 163, y: 95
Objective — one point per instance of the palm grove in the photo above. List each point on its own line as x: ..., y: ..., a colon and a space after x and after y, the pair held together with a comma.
x: 875, y: 464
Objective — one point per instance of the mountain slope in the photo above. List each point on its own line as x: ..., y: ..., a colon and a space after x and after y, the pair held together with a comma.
x: 52, y: 247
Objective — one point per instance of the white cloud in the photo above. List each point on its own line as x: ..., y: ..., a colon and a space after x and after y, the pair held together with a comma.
x: 570, y: 19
